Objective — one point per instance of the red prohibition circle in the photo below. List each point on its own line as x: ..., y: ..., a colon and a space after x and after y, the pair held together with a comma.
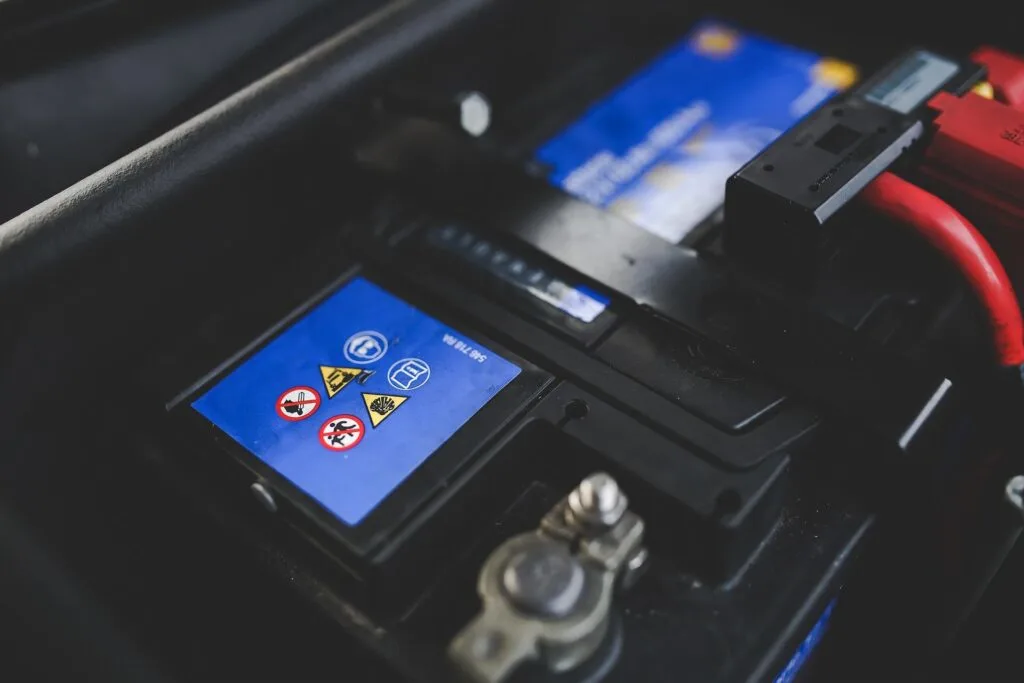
x: 279, y: 406
x: 359, y: 429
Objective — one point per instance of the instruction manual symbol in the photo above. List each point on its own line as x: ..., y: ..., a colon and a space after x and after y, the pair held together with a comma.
x: 408, y: 374
x: 380, y: 406
x: 336, y: 379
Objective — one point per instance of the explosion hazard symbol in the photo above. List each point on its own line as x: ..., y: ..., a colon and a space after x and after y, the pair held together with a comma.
x: 380, y: 406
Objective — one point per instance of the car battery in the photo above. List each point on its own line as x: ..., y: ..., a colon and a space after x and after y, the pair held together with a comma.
x: 444, y: 370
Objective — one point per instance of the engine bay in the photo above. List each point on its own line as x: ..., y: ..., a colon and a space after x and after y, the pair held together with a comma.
x: 500, y: 341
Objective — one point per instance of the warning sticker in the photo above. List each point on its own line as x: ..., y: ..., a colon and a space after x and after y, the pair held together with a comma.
x: 415, y: 383
x: 298, y: 403
x: 380, y: 406
x: 342, y: 432
x: 336, y: 379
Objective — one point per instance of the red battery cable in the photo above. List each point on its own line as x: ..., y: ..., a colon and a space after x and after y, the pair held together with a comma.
x: 960, y: 242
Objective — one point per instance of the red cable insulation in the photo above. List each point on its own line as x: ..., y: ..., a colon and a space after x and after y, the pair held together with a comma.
x: 960, y: 242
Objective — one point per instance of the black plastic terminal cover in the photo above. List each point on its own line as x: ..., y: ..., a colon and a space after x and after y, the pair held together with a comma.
x: 776, y: 204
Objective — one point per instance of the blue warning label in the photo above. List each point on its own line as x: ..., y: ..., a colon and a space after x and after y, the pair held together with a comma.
x: 658, y: 150
x: 354, y: 396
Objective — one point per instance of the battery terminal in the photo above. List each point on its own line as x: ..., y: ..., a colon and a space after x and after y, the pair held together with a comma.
x: 547, y: 594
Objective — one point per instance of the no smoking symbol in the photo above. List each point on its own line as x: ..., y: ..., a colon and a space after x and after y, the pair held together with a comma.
x: 298, y: 403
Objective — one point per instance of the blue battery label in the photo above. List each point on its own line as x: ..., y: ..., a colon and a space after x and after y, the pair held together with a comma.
x: 658, y: 150
x: 354, y: 396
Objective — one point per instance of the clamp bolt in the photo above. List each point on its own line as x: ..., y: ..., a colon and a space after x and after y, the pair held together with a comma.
x: 544, y: 580
x: 597, y: 502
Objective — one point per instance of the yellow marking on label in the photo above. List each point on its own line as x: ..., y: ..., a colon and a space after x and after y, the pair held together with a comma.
x: 835, y: 73
x: 379, y: 407
x: 336, y: 379
x: 716, y: 41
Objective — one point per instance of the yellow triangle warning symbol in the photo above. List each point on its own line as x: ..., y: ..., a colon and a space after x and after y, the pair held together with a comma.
x: 380, y: 406
x: 336, y: 379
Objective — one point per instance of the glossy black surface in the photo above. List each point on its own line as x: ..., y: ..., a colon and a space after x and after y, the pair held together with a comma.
x: 819, y: 359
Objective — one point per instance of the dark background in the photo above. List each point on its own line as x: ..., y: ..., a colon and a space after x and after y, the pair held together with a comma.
x: 93, y: 571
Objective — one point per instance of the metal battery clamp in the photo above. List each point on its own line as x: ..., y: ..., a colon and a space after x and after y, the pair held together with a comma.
x: 547, y: 594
